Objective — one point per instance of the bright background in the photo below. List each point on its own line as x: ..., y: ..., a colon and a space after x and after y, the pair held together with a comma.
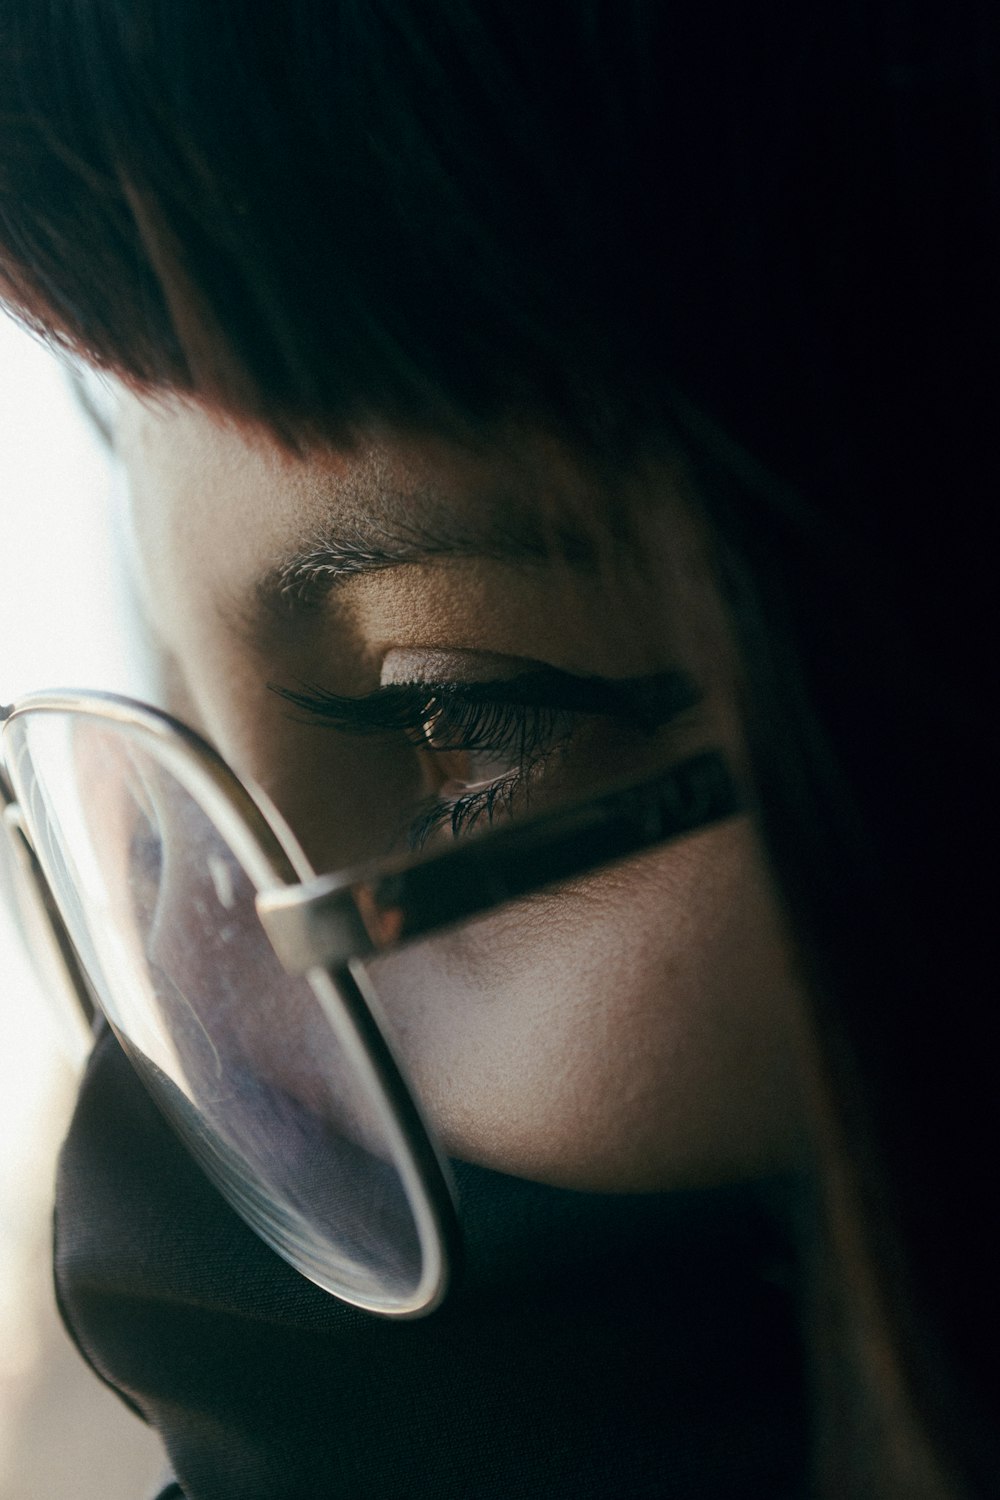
x: 62, y: 1436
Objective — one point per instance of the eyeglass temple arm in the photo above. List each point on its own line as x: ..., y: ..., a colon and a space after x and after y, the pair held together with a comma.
x: 332, y: 919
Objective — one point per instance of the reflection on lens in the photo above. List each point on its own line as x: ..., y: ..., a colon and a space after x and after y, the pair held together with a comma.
x: 21, y: 896
x: 264, y: 1076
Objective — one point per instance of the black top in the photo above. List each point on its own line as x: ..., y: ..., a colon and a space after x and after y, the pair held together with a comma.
x: 598, y: 1346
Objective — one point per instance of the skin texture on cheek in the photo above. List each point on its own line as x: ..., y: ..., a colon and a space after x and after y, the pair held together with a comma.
x: 635, y: 1031
x: 629, y: 1033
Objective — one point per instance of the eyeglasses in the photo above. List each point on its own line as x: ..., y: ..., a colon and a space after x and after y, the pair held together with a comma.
x: 157, y: 888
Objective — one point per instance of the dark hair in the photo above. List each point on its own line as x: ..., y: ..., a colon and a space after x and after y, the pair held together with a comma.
x: 771, y: 232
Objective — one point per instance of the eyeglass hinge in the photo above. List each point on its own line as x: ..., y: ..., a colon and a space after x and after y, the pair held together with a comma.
x: 313, y: 925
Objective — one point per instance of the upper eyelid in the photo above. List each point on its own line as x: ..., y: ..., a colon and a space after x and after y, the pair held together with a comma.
x: 649, y: 701
x: 445, y: 716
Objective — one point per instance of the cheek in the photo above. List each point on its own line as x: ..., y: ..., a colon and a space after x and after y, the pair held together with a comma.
x: 631, y: 1033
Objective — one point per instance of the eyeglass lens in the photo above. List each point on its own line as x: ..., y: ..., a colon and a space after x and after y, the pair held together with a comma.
x: 262, y: 1074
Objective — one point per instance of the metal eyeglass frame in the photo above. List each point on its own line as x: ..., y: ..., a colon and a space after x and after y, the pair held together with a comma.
x: 334, y: 922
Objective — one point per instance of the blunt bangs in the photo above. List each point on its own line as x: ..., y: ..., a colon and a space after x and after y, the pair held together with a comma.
x: 316, y: 214
x: 325, y: 213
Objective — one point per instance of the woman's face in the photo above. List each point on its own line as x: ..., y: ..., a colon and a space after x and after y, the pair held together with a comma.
x: 631, y: 1030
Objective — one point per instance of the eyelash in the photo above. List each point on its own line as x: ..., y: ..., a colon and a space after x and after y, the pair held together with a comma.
x: 462, y: 718
x: 529, y: 718
x: 528, y: 733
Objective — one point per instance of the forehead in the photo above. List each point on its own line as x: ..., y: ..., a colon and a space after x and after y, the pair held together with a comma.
x: 183, y: 449
x: 240, y: 512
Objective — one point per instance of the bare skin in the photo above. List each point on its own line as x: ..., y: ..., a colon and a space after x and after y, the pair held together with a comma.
x: 634, y: 1030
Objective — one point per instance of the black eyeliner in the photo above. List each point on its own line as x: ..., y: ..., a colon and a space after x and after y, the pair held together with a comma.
x: 647, y: 702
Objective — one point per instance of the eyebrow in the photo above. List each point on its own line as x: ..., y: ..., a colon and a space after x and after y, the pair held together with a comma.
x: 364, y: 544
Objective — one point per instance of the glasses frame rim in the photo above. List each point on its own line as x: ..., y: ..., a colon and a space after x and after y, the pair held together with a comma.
x: 332, y: 922
x: 248, y: 825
